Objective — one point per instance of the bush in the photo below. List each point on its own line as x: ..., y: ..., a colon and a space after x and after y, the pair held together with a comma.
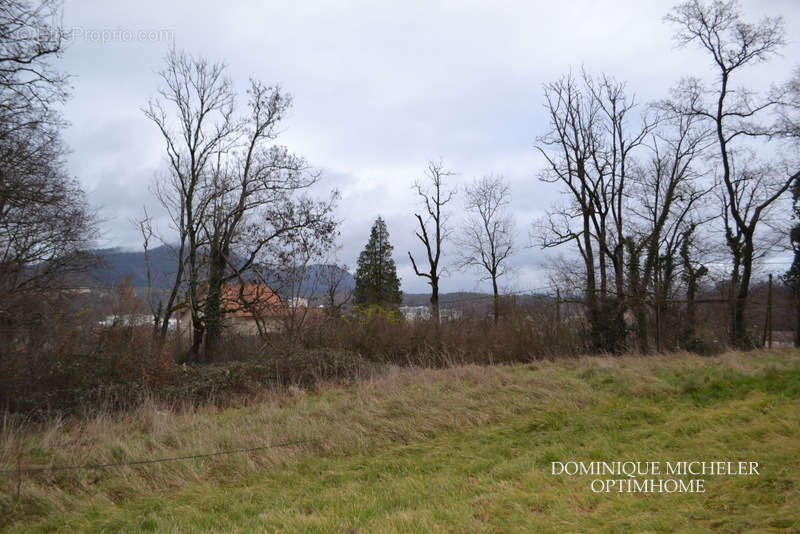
x: 517, y: 337
x: 127, y: 369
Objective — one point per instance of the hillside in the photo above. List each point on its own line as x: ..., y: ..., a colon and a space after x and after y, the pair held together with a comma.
x: 472, y: 299
x: 114, y: 264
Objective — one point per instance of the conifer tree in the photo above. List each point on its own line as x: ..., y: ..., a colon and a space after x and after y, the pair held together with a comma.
x: 376, y: 274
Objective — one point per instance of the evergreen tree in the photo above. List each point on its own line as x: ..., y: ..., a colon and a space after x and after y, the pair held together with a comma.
x: 376, y: 274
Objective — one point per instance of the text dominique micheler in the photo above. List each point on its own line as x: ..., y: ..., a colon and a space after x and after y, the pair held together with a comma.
x: 653, y: 476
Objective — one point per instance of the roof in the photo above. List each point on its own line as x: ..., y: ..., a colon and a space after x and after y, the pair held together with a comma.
x: 249, y: 300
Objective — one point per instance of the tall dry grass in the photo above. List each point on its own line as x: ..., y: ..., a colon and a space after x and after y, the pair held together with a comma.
x: 393, y: 405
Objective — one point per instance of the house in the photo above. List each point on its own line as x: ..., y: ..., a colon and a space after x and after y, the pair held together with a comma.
x: 127, y: 319
x: 245, y: 308
x: 423, y: 313
x: 415, y: 313
x: 298, y: 302
x: 782, y: 338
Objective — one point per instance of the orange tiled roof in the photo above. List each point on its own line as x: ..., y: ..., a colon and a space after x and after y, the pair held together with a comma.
x: 250, y: 299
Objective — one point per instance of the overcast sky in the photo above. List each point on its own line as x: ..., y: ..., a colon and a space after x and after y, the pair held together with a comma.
x: 379, y: 89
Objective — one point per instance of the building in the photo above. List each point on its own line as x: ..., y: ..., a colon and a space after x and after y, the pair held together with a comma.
x: 782, y: 339
x: 246, y: 310
x: 423, y: 313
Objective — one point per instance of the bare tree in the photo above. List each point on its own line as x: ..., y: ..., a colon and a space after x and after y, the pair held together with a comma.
x: 30, y: 36
x: 145, y: 225
x: 297, y: 274
x: 232, y: 194
x: 738, y: 115
x: 692, y: 273
x: 486, y: 240
x: 46, y: 225
x: 790, y: 128
x: 434, y: 199
x: 665, y: 196
x: 202, y: 129
x: 789, y: 114
x: 337, y: 296
x: 589, y: 151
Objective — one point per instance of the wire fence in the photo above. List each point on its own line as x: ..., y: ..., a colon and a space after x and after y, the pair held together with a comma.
x: 26, y: 470
x: 21, y: 470
x: 769, y: 309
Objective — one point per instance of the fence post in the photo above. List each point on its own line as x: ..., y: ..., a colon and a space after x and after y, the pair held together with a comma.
x: 558, y: 313
x: 767, y: 341
x: 658, y: 321
x: 657, y: 303
x: 19, y: 474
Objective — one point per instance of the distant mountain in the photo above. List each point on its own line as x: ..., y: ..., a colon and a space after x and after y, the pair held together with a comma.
x: 114, y: 264
x: 445, y: 299
x: 473, y: 300
x: 318, y: 278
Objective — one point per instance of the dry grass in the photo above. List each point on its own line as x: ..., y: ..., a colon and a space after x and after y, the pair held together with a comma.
x: 402, y: 405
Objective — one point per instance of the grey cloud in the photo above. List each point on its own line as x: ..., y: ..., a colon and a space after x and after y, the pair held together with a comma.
x: 379, y: 89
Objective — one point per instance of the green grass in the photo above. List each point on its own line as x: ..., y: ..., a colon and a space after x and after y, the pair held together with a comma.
x: 491, y: 472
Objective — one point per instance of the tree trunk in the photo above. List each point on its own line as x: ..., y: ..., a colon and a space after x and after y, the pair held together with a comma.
x: 591, y: 287
x: 435, y: 302
x: 636, y: 297
x: 197, y: 340
x: 797, y: 319
x: 691, y: 307
x: 496, y: 301
x: 741, y: 339
x: 642, y: 326
x: 213, y: 306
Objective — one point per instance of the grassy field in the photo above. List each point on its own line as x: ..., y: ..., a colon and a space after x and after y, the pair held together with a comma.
x: 465, y: 449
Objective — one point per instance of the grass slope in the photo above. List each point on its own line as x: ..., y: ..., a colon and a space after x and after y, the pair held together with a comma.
x: 476, y: 457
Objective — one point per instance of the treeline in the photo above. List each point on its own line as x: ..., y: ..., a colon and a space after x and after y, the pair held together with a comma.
x: 46, y: 225
x: 654, y: 190
x: 655, y: 196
